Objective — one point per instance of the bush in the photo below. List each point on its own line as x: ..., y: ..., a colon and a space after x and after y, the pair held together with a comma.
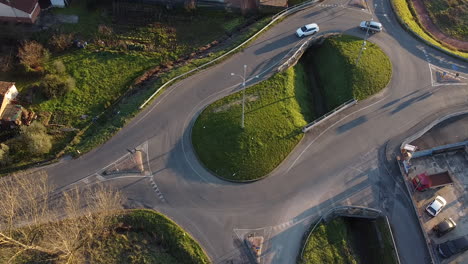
x: 36, y: 139
x: 54, y: 85
x: 61, y: 42
x: 32, y: 55
x: 4, y: 154
x: 59, y: 67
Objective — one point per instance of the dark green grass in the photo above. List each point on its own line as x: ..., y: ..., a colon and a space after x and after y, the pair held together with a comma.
x: 451, y: 16
x: 388, y: 253
x: 329, y: 243
x: 341, y: 79
x: 276, y: 109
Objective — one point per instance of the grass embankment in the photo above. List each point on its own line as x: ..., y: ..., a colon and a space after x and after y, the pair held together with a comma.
x: 450, y: 16
x: 104, y: 73
x: 137, y: 236
x: 276, y: 109
x: 340, y: 78
x: 330, y: 243
x: 351, y: 240
x: 403, y: 11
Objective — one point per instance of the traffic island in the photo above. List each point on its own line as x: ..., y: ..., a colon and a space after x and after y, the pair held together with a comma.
x: 278, y: 108
x: 255, y: 244
x: 350, y: 234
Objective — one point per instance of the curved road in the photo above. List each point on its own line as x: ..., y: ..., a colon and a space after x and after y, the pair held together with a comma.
x: 344, y: 161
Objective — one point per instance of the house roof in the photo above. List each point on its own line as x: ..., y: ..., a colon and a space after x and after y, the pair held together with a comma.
x: 5, y: 86
x: 12, y: 112
x: 23, y: 5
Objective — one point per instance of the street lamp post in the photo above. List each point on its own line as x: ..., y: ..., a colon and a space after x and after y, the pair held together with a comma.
x: 363, y: 47
x: 243, y: 93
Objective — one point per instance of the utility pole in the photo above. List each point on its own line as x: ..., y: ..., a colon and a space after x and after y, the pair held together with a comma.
x: 363, y: 47
x: 243, y: 77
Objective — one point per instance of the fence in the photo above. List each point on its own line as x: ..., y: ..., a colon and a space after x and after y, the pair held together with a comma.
x: 328, y: 115
x: 275, y: 18
x: 298, y: 53
x: 351, y: 211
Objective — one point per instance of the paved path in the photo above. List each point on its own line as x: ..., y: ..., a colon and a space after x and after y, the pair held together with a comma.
x: 345, y: 161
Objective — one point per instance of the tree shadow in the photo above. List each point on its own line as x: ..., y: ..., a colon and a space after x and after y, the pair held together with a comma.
x: 410, y: 101
x: 351, y: 124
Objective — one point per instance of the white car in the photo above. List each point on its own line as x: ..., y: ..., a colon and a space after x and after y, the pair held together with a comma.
x: 372, y: 26
x: 307, y: 30
x: 436, y: 206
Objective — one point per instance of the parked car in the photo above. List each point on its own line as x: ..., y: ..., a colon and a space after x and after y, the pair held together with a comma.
x: 307, y: 30
x: 452, y: 247
x: 436, y: 206
x: 444, y: 227
x: 372, y: 26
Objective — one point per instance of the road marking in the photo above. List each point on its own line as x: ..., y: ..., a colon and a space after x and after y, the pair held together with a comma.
x: 325, y: 130
x: 100, y: 178
x: 156, y: 189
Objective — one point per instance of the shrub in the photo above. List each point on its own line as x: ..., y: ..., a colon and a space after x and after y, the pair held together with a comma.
x: 36, y: 139
x: 59, y: 67
x: 105, y: 30
x: 61, y: 42
x: 54, y: 85
x: 32, y: 55
x: 4, y: 154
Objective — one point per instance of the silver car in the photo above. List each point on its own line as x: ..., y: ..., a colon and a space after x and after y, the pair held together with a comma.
x: 371, y: 26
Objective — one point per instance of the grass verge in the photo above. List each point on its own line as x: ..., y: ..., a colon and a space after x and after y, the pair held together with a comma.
x: 276, y: 109
x: 104, y: 75
x: 408, y: 19
x: 104, y: 128
x: 340, y: 78
x: 388, y: 253
x: 136, y: 236
x: 450, y: 16
x: 330, y: 243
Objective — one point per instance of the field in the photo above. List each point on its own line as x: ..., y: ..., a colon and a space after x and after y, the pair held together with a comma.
x: 117, y: 54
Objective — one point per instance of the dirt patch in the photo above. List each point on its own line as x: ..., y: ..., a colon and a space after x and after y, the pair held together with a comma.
x: 250, y: 98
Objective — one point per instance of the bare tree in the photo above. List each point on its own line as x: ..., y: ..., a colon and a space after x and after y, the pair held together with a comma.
x: 23, y: 205
x: 63, y: 227
x: 87, y: 211
x: 32, y: 55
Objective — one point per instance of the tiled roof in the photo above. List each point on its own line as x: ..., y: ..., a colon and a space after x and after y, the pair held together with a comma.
x: 4, y: 86
x: 23, y: 5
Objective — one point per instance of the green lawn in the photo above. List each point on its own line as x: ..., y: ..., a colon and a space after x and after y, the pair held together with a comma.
x: 406, y: 16
x: 137, y: 236
x: 104, y: 73
x: 329, y: 243
x: 276, y: 110
x: 451, y: 16
x: 338, y: 75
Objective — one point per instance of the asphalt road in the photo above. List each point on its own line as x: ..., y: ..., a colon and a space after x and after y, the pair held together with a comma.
x: 345, y: 161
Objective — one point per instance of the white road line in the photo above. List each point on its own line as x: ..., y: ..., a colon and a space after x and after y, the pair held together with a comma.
x: 324, y: 131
